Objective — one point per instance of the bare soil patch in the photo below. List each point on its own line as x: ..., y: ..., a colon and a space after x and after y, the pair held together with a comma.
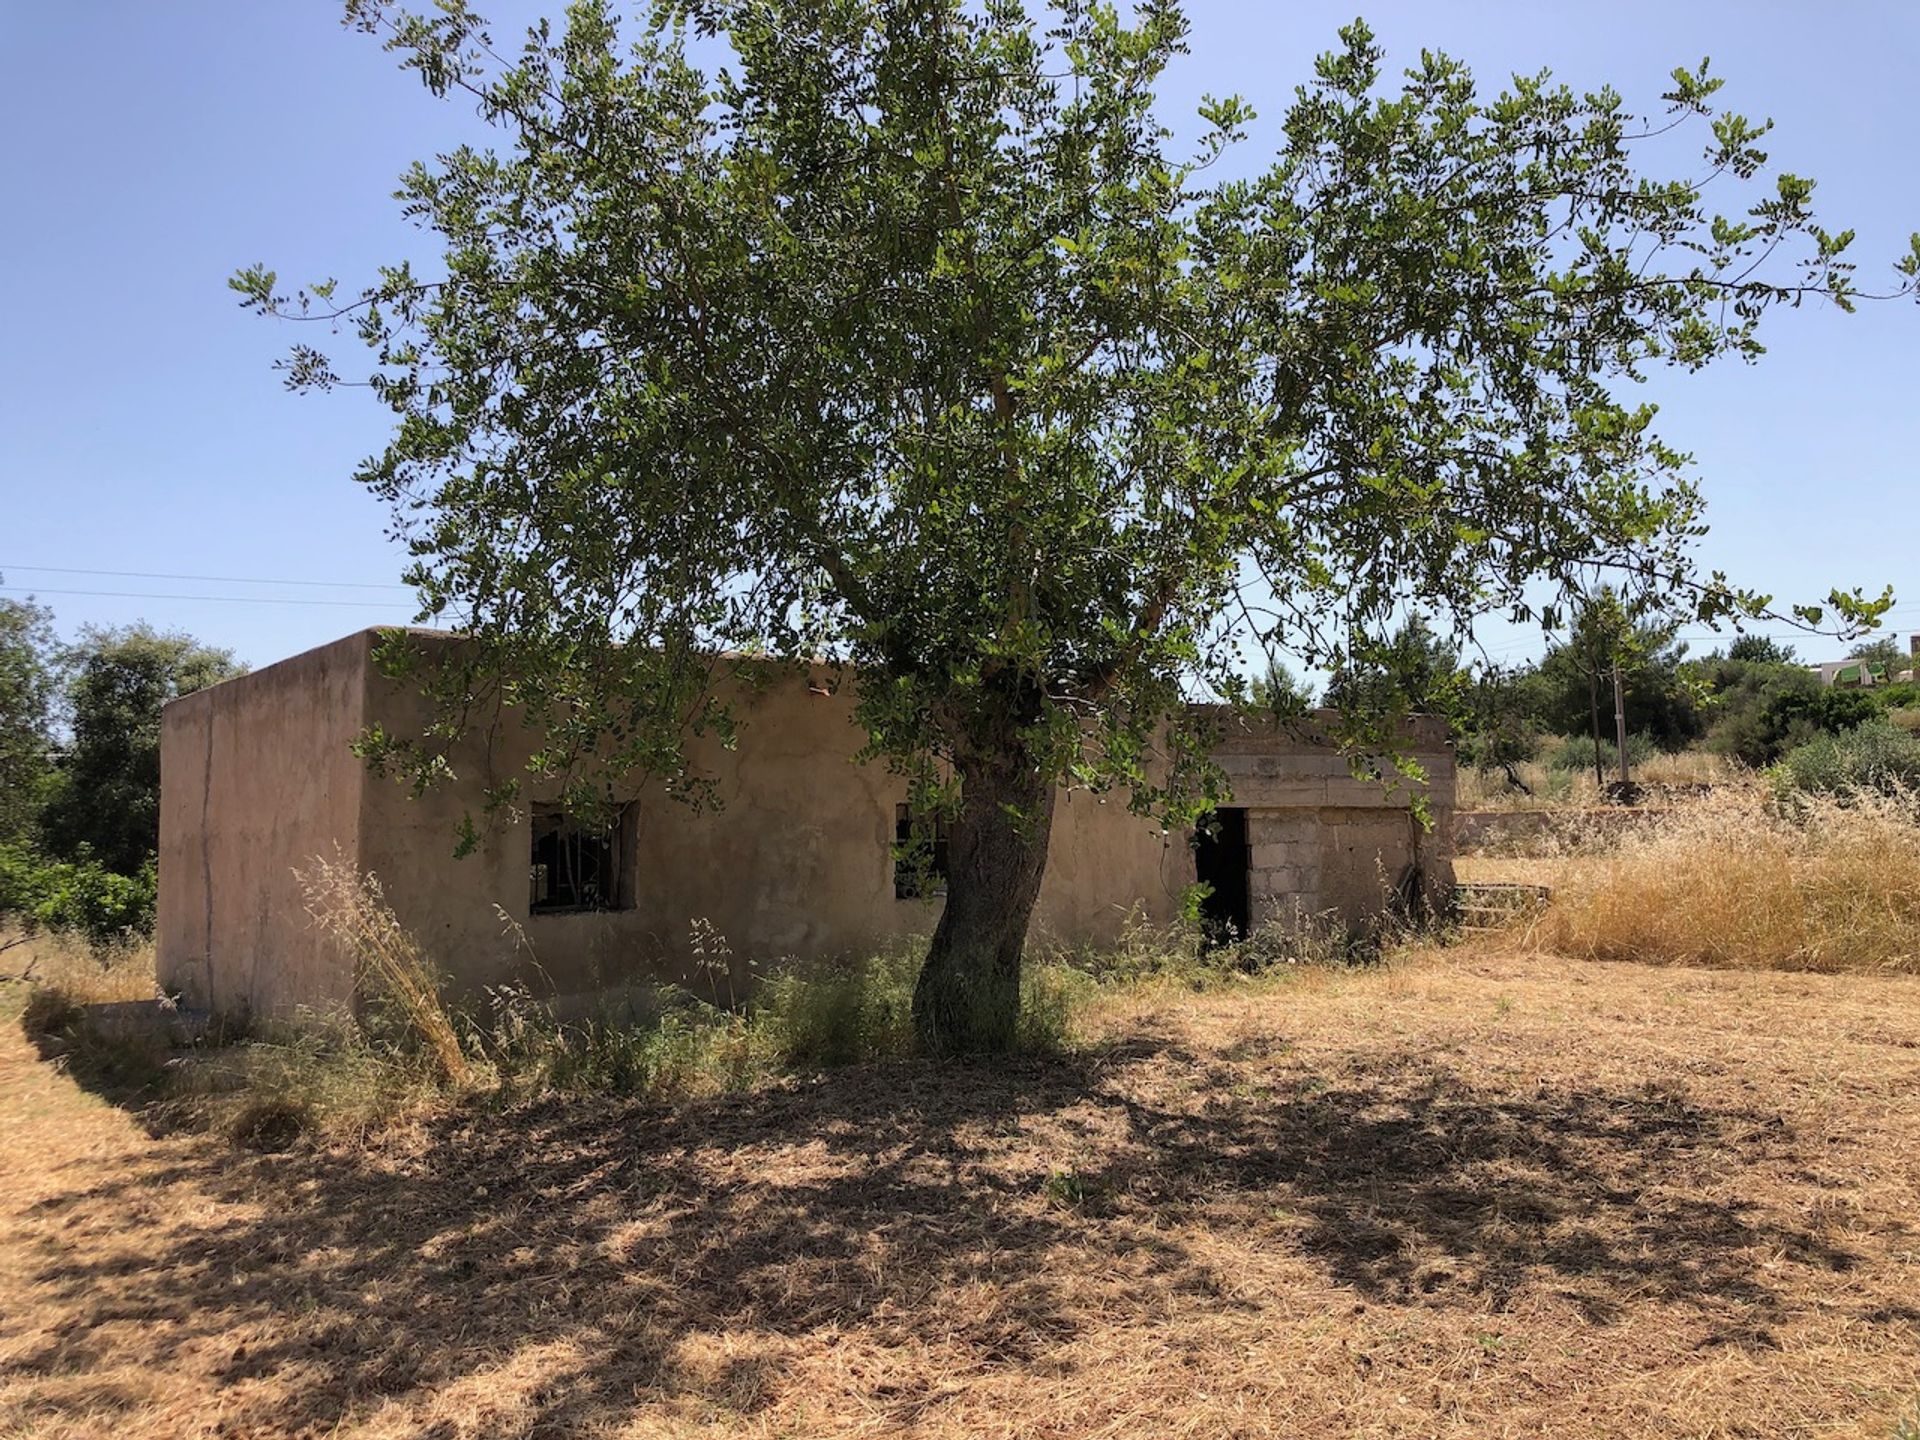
x: 1469, y: 1194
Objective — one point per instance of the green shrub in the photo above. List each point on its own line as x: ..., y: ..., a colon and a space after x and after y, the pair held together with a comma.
x: 78, y: 895
x: 1572, y: 753
x: 1877, y: 756
x: 835, y: 1015
x: 1905, y: 695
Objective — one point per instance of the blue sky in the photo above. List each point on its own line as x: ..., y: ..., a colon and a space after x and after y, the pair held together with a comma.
x: 155, y: 148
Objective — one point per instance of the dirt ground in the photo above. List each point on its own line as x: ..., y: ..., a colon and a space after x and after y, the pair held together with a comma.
x: 1473, y: 1194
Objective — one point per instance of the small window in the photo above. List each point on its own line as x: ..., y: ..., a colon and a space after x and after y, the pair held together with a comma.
x: 576, y: 865
x: 919, y: 864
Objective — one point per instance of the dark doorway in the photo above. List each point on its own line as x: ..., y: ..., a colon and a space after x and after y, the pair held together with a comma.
x: 1221, y: 860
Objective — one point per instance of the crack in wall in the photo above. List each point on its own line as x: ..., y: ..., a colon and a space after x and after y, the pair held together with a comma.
x: 206, y: 856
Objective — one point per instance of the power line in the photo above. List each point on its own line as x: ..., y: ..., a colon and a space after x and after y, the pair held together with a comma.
x: 211, y: 579
x: 228, y: 599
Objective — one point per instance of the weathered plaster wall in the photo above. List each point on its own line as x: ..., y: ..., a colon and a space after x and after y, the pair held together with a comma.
x: 255, y: 779
x: 794, y: 859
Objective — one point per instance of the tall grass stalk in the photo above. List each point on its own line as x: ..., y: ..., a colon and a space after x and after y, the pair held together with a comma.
x: 391, y: 972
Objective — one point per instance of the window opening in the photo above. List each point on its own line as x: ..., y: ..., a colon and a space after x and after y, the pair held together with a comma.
x: 576, y: 864
x: 919, y: 862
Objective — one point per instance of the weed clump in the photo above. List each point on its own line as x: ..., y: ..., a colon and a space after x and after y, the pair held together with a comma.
x: 823, y: 1016
x: 271, y: 1124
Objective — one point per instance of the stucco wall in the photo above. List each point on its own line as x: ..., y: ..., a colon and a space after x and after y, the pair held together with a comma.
x: 255, y: 779
x: 793, y: 859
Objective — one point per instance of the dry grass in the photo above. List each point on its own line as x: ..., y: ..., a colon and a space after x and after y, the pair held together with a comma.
x: 1575, y: 789
x: 47, y: 977
x: 1730, y: 882
x: 86, y: 974
x: 1472, y: 1193
x: 389, y: 967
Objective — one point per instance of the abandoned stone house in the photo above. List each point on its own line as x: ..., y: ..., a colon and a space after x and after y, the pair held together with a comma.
x: 798, y: 858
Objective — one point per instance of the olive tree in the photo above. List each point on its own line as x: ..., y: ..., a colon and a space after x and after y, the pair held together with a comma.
x: 905, y: 335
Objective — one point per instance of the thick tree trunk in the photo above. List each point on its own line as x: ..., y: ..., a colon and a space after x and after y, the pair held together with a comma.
x: 968, y: 995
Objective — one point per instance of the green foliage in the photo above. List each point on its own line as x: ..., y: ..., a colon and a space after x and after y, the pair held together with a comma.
x: 76, y: 895
x: 1500, y: 721
x: 106, y: 802
x: 1902, y: 695
x: 1280, y: 691
x: 29, y: 689
x: 886, y: 344
x: 1064, y: 1189
x: 1417, y: 671
x: 1761, y: 710
x: 1875, y: 756
x: 1579, y: 671
x: 1573, y: 754
x: 77, y: 842
x: 1757, y: 710
x: 1837, y: 710
x: 1760, y: 650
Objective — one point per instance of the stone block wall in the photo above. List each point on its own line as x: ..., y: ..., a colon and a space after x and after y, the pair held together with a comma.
x: 1351, y: 862
x: 1324, y: 840
x: 1285, y: 865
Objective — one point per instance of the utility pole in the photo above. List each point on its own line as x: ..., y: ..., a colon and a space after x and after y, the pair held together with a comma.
x: 1593, y: 708
x: 1620, y: 724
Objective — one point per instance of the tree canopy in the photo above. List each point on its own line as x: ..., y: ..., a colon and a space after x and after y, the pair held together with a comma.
x: 106, y: 800
x: 1418, y: 669
x: 1760, y: 650
x: 1605, y: 634
x: 901, y: 333
x: 29, y: 691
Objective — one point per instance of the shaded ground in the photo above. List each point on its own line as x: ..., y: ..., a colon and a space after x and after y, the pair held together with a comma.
x: 1472, y: 1195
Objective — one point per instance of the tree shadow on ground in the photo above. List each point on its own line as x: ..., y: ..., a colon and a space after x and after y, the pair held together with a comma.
x: 923, y: 1205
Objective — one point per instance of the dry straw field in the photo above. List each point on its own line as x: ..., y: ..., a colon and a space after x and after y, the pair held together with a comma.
x: 1477, y: 1190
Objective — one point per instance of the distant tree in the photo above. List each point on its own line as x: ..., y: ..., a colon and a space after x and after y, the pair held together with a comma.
x: 1417, y: 671
x: 1281, y: 691
x: 29, y: 689
x: 1884, y: 650
x: 1576, y: 676
x: 106, y: 802
x: 1500, y: 725
x: 1760, y: 650
x: 910, y: 338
